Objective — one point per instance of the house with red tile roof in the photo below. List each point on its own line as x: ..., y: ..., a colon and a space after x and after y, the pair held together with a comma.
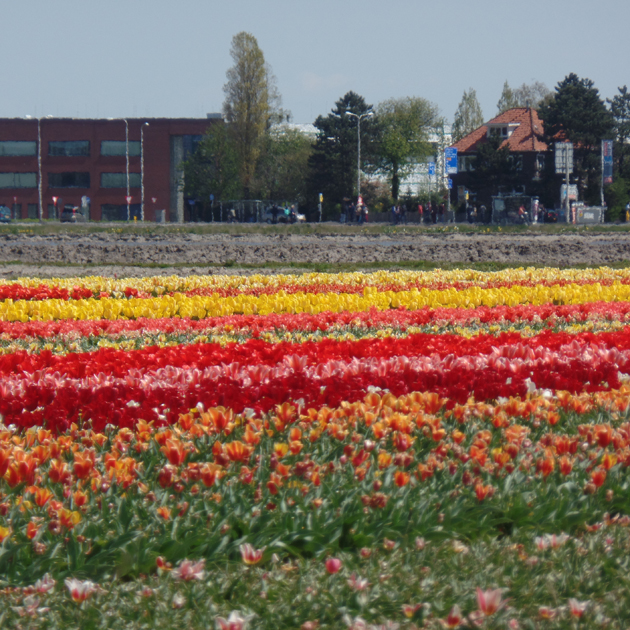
x: 521, y: 131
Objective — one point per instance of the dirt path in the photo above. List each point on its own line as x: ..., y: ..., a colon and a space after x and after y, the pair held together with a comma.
x: 118, y: 253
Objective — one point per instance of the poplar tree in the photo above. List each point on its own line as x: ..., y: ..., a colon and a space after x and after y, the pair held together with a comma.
x: 251, y: 101
x: 507, y: 99
x: 468, y: 115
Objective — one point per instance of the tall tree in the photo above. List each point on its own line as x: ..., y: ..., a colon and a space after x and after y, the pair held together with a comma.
x: 404, y: 125
x: 251, y: 102
x: 213, y: 167
x: 507, y: 99
x: 620, y: 108
x: 578, y: 114
x: 532, y: 95
x: 468, y: 115
x: 333, y: 164
x: 282, y: 167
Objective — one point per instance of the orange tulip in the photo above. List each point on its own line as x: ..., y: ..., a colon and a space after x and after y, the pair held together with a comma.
x: 598, y: 477
x: 58, y: 471
x: 238, y: 452
x: 83, y: 464
x: 42, y: 496
x: 210, y: 473
x: 401, y: 478
x: 175, y: 452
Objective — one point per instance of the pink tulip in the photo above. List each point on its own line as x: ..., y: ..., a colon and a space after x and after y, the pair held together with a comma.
x: 251, y: 555
x: 454, y: 618
x: 489, y: 601
x: 333, y: 565
x: 188, y: 570
x: 577, y: 607
x: 80, y: 590
x: 233, y: 622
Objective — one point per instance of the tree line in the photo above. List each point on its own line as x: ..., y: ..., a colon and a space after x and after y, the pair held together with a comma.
x: 256, y: 154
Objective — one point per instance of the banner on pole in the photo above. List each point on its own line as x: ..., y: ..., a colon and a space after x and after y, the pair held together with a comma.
x: 607, y: 161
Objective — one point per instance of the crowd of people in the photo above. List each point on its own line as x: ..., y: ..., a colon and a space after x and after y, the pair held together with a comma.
x: 355, y: 212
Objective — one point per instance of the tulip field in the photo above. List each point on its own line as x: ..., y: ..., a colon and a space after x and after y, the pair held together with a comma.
x: 444, y: 449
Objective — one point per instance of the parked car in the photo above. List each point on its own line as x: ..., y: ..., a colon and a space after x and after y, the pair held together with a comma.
x: 5, y: 214
x: 284, y: 215
x: 71, y: 214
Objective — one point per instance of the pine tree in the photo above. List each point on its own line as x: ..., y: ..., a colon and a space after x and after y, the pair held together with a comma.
x: 468, y: 116
x: 578, y: 114
x: 620, y: 108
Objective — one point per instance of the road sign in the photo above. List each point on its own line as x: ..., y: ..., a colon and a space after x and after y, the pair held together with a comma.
x: 573, y: 192
x: 128, y: 199
x: 450, y: 183
x: 321, y: 197
x: 450, y: 155
x: 564, y: 153
x: 153, y: 199
x: 211, y: 197
x: 431, y: 168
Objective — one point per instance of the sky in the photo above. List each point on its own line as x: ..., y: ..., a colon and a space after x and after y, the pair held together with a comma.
x: 167, y: 58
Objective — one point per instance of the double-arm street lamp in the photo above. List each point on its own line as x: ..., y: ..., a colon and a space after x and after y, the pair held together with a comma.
x: 359, y: 119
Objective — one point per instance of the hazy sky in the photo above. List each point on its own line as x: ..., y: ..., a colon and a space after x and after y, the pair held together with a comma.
x: 117, y: 58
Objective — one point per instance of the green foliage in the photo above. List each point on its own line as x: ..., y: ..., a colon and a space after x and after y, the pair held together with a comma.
x: 404, y: 126
x: 578, y: 114
x: 333, y: 164
x: 468, y: 116
x: 620, y: 108
x: 281, y: 173
x: 494, y: 168
x: 213, y: 168
x: 507, y: 100
x: 617, y: 196
x: 251, y: 102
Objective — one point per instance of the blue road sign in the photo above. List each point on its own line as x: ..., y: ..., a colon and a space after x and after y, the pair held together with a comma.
x: 450, y: 155
x: 431, y: 168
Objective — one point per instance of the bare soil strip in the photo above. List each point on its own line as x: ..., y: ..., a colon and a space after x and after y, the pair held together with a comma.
x: 117, y: 254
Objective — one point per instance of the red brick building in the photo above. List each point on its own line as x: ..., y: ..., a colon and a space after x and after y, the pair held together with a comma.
x: 84, y: 163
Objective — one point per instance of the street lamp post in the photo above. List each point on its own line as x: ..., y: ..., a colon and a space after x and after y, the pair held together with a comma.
x: 39, y: 170
x: 146, y: 124
x: 359, y: 119
x: 127, y: 158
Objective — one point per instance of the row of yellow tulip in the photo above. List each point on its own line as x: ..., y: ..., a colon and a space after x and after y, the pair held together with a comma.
x: 179, y: 305
x: 176, y: 284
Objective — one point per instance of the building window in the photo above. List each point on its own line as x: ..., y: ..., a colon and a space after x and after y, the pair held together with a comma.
x: 68, y: 180
x: 516, y: 160
x: 191, y: 142
x: 33, y: 210
x: 119, y: 180
x: 18, y: 147
x: 114, y: 212
x: 119, y: 147
x: 69, y: 148
x: 18, y: 180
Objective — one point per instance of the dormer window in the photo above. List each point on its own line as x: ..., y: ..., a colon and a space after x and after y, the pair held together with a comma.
x: 501, y: 130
